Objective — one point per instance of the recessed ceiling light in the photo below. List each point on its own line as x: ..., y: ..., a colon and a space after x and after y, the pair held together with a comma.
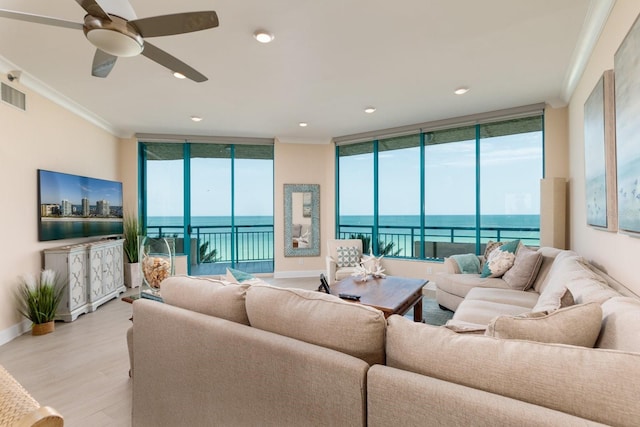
x: 303, y: 124
x: 178, y: 75
x: 263, y: 36
x: 461, y: 90
x: 196, y: 118
x: 370, y: 110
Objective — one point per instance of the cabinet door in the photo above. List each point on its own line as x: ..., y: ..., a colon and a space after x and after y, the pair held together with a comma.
x: 77, y: 280
x: 108, y: 266
x: 96, y: 288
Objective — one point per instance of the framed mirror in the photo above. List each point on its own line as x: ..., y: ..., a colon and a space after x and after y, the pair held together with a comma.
x: 301, y: 220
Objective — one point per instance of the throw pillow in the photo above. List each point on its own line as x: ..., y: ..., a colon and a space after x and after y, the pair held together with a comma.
x: 525, y: 269
x: 500, y: 259
x: 237, y: 276
x: 467, y: 263
x: 348, y: 256
x: 491, y: 245
x: 320, y: 319
x: 207, y: 296
x: 553, y: 298
x: 575, y: 325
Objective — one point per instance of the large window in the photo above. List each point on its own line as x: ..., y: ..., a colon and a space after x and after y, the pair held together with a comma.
x: 218, y: 195
x: 437, y: 193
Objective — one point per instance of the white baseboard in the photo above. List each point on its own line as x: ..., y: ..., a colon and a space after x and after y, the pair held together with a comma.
x: 296, y: 274
x: 14, y: 331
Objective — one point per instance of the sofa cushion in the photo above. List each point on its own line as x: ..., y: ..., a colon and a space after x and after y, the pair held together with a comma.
x: 548, y: 257
x: 482, y: 312
x: 620, y: 320
x: 525, y: 269
x: 207, y: 296
x: 574, y: 325
x: 569, y: 271
x: 461, y: 284
x: 551, y: 265
x: 348, y: 256
x: 532, y: 372
x: 589, y: 290
x: 526, y: 300
x: 552, y: 299
x: 500, y: 259
x: 320, y: 319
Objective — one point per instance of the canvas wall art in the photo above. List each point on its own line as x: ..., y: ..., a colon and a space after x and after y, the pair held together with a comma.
x: 627, y: 105
x: 599, y: 155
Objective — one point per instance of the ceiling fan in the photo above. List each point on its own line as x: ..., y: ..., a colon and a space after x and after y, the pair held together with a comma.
x: 114, y: 36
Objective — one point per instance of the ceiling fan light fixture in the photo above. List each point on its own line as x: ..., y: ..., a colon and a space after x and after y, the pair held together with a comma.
x: 461, y: 90
x: 179, y: 75
x: 263, y: 36
x: 114, y: 37
x: 370, y: 110
x: 196, y: 119
x: 303, y: 124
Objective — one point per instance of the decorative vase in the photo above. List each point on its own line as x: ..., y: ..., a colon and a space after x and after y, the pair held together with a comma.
x: 43, y: 328
x: 156, y: 262
x: 132, y: 274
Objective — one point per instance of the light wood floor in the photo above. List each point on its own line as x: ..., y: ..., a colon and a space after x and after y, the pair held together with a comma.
x: 82, y: 369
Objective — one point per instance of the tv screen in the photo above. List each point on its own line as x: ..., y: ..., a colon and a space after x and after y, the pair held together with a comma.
x: 74, y: 206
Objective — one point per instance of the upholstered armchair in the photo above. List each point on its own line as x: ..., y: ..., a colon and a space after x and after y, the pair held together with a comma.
x: 344, y: 256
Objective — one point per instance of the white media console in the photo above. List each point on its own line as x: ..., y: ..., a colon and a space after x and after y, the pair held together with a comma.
x: 93, y: 272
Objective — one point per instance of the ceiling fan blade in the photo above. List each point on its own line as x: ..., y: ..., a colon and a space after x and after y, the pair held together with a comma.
x: 179, y: 23
x: 103, y: 63
x: 93, y: 8
x: 174, y: 64
x: 38, y: 19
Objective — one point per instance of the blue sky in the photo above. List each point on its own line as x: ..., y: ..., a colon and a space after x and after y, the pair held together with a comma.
x: 55, y: 187
x: 511, y: 170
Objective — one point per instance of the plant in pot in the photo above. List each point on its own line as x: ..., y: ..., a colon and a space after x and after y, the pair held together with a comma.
x: 131, y: 231
x: 39, y: 300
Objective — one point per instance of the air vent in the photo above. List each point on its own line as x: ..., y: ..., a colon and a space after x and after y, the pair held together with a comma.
x: 13, y: 96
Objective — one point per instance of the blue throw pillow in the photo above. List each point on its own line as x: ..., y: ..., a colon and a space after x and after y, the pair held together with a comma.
x: 510, y: 247
x: 240, y: 276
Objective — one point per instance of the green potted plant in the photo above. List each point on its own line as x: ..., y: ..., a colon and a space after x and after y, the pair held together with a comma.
x: 40, y: 298
x: 131, y: 231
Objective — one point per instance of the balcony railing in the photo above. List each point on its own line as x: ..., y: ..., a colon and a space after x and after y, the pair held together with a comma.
x: 439, y: 241
x: 252, y: 242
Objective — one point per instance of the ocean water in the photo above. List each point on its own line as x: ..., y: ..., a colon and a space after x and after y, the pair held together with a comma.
x: 255, y: 233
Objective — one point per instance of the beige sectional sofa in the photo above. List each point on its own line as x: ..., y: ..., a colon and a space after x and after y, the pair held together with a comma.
x: 228, y: 354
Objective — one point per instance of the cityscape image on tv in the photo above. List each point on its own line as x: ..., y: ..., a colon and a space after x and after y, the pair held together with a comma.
x: 77, y: 206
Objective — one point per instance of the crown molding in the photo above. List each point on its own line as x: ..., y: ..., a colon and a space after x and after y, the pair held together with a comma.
x: 42, y: 89
x: 594, y: 23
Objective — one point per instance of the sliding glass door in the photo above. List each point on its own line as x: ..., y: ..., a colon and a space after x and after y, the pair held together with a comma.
x: 215, y: 200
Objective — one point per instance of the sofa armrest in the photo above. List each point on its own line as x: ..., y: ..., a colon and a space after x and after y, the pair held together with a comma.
x: 588, y: 383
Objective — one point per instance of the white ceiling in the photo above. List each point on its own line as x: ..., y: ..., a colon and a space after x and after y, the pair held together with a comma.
x: 330, y: 59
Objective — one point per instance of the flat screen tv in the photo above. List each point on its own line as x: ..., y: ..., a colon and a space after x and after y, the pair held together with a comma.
x: 72, y: 206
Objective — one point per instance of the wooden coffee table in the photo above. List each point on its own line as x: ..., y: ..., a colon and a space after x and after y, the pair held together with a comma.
x: 392, y: 295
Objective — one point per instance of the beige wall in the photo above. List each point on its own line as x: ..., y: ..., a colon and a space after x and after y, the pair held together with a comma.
x: 128, y: 173
x: 303, y: 164
x: 618, y: 253
x: 46, y: 136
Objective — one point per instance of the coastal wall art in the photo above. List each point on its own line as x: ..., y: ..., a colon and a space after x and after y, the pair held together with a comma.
x: 627, y: 105
x: 600, y: 155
